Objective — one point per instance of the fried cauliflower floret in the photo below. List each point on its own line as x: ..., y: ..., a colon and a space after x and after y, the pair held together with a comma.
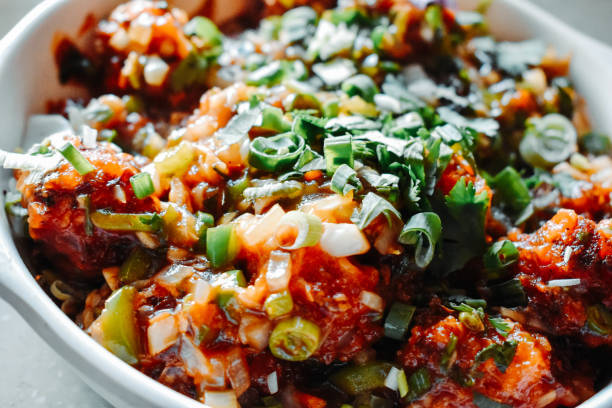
x: 568, y: 246
x: 59, y: 202
x: 522, y: 377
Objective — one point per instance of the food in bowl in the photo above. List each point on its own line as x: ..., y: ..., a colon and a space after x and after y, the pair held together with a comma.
x: 369, y: 205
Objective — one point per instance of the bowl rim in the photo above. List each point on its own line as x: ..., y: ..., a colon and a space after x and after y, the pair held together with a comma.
x: 82, y: 352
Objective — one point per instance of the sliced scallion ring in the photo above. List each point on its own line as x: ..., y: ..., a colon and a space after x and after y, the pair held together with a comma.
x: 276, y: 153
x: 424, y: 231
x: 344, y: 180
x: 142, y: 185
x: 74, y: 157
x: 338, y: 151
x: 295, y: 339
x: 309, y: 230
x: 360, y: 85
x: 548, y: 140
x: 398, y: 320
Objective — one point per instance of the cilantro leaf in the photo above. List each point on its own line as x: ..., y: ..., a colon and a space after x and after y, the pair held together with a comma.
x: 502, y: 354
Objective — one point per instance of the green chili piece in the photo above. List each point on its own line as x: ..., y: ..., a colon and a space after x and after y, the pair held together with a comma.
x: 398, y: 320
x: 295, y: 339
x: 118, y: 324
x: 126, y: 222
x: 278, y: 304
x: 359, y: 379
x: 136, y: 266
x: 222, y: 245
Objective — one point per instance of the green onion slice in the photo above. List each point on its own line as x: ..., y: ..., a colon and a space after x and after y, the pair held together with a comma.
x: 109, y: 221
x: 423, y: 230
x: 74, y: 157
x: 372, y: 206
x: 222, y: 245
x: 498, y: 257
x: 356, y: 380
x: 344, y: 180
x: 142, y: 185
x: 420, y: 381
x: 276, y: 153
x: 482, y: 401
x: 548, y: 140
x: 309, y: 230
x: 272, y: 120
x: 295, y: 339
x: 205, y: 29
x: 278, y: 304
x: 360, y: 85
x: 338, y: 151
x: 284, y: 189
x: 398, y: 320
x: 176, y: 160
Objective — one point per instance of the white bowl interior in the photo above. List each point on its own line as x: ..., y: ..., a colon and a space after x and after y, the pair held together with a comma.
x: 29, y: 80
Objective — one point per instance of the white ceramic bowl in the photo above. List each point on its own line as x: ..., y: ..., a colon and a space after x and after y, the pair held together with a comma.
x: 29, y: 78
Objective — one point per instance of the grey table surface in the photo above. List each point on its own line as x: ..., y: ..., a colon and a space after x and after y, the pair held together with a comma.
x: 33, y: 375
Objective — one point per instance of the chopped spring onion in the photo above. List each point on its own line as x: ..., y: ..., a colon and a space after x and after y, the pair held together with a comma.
x: 272, y: 120
x: 284, y: 189
x: 272, y: 382
x: 333, y: 73
x: 371, y: 207
x: 563, y: 283
x: 420, y: 382
x: 391, y: 379
x: 372, y: 301
x: 204, y: 221
x: 498, y: 257
x: 398, y: 320
x: 222, y: 245
x: 142, y: 185
x: 472, y: 320
x: 599, y: 320
x: 596, y: 143
x: 276, y: 153
x: 402, y: 384
x: 227, y: 282
x: 338, y: 151
x: 295, y: 339
x: 126, y: 222
x: 340, y: 240
x: 548, y: 140
x: 508, y: 294
x: 205, y: 29
x: 266, y: 75
x: 74, y: 157
x: 344, y: 180
x: 355, y: 380
x: 136, y: 267
x: 511, y: 190
x: 360, y: 85
x: 278, y: 304
x: 309, y: 230
x: 176, y: 160
x: 118, y: 325
x: 449, y: 350
x: 423, y: 230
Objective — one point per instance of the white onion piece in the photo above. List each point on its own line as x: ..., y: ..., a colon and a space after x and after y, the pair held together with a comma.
x: 372, y: 300
x: 254, y: 331
x: 278, y: 273
x: 155, y: 71
x: 28, y: 162
x: 41, y: 126
x: 272, y: 380
x: 216, y: 377
x: 221, y: 399
x: 391, y: 380
x: 341, y: 240
x: 264, y: 228
x: 202, y: 292
x: 162, y: 332
x: 89, y: 136
x: 194, y: 360
x: 563, y: 283
x: 238, y: 371
x: 174, y: 275
x: 119, y: 194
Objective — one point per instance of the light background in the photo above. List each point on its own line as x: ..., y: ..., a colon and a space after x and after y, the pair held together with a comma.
x: 33, y: 376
